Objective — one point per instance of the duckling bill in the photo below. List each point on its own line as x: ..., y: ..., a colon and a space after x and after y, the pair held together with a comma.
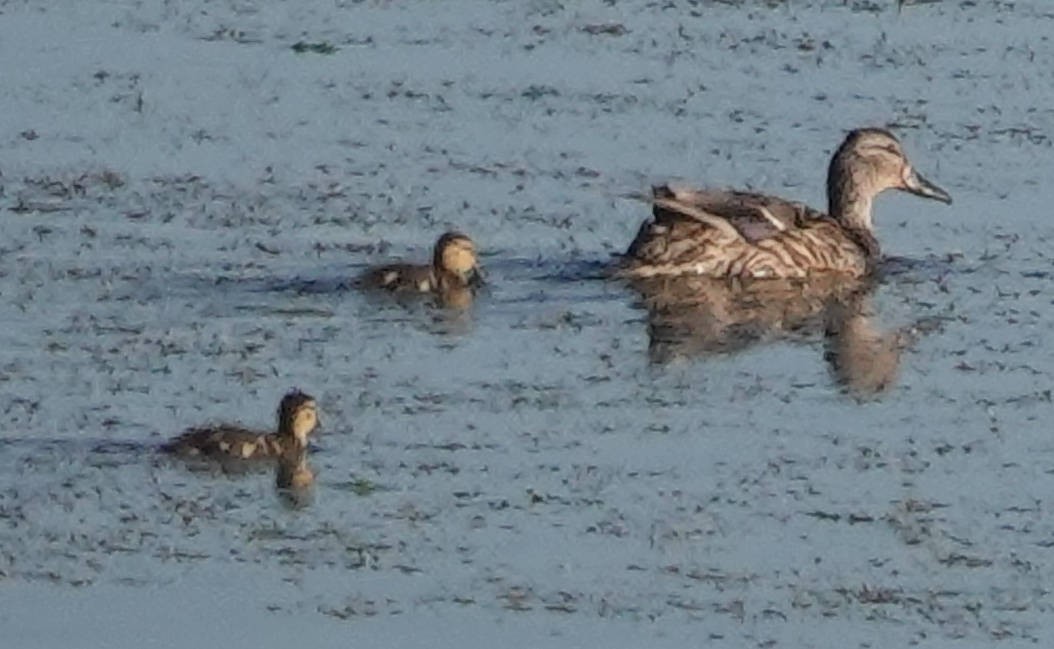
x: 297, y: 419
x: 742, y: 234
x: 454, y: 267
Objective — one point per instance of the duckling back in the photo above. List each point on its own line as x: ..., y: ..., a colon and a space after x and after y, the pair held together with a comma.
x: 223, y: 441
x: 399, y: 278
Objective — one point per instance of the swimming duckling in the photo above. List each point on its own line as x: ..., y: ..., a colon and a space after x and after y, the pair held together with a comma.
x: 454, y: 269
x: 741, y: 234
x: 297, y: 418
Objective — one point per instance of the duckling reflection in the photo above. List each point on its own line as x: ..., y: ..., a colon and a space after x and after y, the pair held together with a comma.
x: 699, y: 316
x: 452, y: 277
x: 297, y: 418
x: 294, y: 478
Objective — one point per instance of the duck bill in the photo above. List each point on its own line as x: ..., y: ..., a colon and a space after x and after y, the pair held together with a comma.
x: 918, y: 185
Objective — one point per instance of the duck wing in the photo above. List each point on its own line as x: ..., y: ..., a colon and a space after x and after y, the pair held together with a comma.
x: 717, y: 233
x: 399, y: 278
x: 753, y: 216
x: 222, y: 439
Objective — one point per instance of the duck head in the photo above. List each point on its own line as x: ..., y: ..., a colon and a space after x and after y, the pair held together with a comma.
x: 870, y: 161
x: 455, y: 255
x: 297, y: 416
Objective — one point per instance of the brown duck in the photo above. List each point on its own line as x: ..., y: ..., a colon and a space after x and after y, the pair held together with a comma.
x: 741, y: 234
x: 454, y: 268
x: 297, y: 418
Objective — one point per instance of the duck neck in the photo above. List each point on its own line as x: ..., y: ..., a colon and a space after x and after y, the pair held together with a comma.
x: 445, y: 280
x: 850, y: 206
x: 288, y: 439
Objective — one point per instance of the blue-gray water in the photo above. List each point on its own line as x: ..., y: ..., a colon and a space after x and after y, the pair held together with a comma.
x: 183, y: 197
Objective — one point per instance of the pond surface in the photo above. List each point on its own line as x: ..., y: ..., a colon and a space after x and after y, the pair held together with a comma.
x: 184, y: 196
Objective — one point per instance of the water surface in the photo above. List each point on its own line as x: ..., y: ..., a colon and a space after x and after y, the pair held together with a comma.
x: 183, y: 197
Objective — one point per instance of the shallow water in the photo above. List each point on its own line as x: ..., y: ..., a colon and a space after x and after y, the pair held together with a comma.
x: 183, y: 198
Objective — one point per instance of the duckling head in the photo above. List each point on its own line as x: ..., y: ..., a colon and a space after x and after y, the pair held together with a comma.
x: 297, y: 416
x: 455, y: 254
x: 870, y: 161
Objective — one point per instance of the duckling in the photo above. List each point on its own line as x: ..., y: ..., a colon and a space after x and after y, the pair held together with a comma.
x: 297, y: 418
x: 741, y: 234
x: 454, y: 269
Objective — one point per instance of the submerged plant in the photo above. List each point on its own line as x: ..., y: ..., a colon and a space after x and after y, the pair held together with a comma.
x: 321, y: 47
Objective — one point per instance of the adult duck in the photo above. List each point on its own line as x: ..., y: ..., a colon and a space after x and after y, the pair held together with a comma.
x: 740, y: 234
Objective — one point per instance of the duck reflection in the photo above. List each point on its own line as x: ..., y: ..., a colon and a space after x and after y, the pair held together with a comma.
x: 294, y: 479
x: 863, y: 358
x: 700, y: 316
